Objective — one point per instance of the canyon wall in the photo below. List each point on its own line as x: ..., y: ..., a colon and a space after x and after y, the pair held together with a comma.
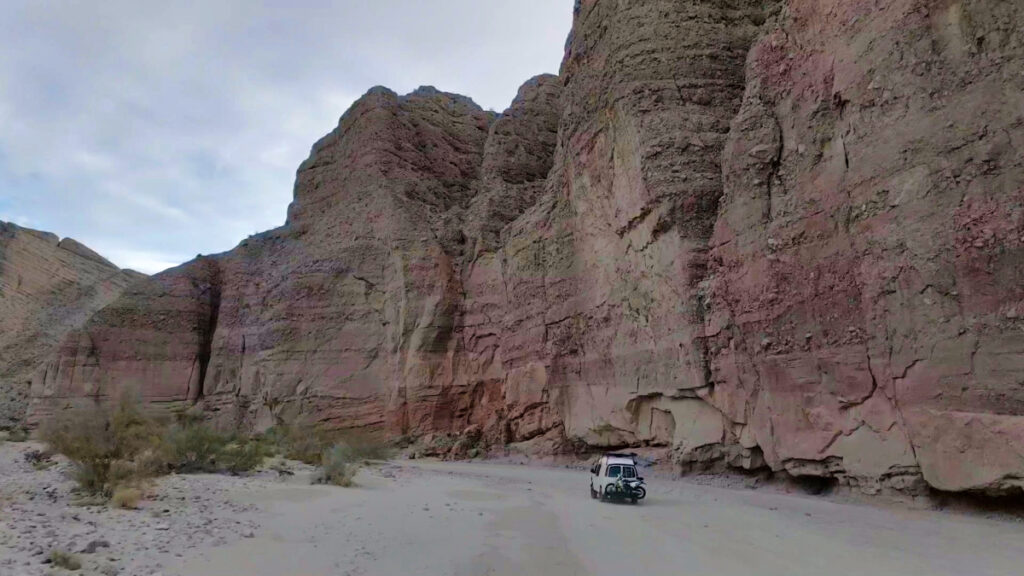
x: 48, y: 287
x: 784, y: 235
x: 865, y: 279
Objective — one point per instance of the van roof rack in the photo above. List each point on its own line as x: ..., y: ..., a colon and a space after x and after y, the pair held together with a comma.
x: 621, y: 455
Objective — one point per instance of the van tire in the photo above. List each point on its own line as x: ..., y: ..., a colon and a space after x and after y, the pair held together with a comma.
x: 593, y: 493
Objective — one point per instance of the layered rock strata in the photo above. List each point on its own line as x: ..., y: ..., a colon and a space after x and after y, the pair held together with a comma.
x: 48, y: 287
x: 865, y: 281
x: 779, y: 235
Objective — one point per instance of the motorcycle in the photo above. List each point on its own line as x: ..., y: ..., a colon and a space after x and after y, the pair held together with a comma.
x: 632, y: 489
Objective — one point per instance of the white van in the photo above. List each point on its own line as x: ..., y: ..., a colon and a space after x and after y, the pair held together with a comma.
x: 615, y: 476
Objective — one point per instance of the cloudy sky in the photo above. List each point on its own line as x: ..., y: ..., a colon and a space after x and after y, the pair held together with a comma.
x: 154, y: 130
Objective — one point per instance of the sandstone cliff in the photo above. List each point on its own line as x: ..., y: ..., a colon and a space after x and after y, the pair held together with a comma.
x: 866, y: 266
x: 758, y: 234
x: 48, y: 287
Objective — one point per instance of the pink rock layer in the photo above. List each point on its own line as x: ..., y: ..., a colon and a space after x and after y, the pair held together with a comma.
x: 784, y: 235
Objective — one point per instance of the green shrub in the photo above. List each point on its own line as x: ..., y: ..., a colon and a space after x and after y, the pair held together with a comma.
x: 17, y: 435
x: 191, y: 448
x: 336, y: 468
x: 242, y: 456
x: 65, y: 560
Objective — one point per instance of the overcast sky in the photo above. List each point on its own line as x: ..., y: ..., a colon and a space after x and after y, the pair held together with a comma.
x: 153, y: 131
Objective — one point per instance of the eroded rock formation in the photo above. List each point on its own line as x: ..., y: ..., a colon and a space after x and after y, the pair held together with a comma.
x: 48, y: 287
x: 759, y: 234
x: 865, y: 283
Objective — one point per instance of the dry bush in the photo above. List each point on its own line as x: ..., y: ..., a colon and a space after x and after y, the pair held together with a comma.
x: 119, y: 448
x: 65, y: 560
x: 303, y: 442
x: 361, y: 447
x: 308, y: 443
x: 103, y: 445
x: 340, y: 463
x: 336, y: 468
x: 126, y: 498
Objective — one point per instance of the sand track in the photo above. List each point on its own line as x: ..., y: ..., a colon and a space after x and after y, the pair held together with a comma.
x: 432, y: 518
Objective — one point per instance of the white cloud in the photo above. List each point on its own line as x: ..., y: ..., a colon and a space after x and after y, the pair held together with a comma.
x: 145, y: 262
x: 20, y: 220
x: 153, y: 131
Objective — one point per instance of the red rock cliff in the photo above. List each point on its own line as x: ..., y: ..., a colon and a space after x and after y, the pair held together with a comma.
x: 782, y: 235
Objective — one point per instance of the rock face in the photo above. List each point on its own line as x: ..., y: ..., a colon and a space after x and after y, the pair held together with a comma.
x: 341, y: 313
x: 48, y: 287
x: 866, y: 266
x: 758, y: 234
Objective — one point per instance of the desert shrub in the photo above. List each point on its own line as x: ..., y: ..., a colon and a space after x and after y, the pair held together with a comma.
x: 126, y: 497
x: 303, y: 442
x: 103, y: 445
x: 65, y: 560
x: 123, y: 447
x: 122, y: 473
x: 17, y: 435
x: 152, y: 462
x: 87, y: 440
x: 360, y: 446
x: 191, y: 447
x: 242, y: 456
x: 308, y: 443
x: 134, y: 431
x: 336, y: 468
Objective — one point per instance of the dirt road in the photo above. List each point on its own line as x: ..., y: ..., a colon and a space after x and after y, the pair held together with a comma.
x: 428, y: 518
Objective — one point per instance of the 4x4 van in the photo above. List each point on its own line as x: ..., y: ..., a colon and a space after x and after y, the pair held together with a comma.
x: 615, y: 476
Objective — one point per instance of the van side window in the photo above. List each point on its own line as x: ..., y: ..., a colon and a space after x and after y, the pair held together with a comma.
x: 595, y: 469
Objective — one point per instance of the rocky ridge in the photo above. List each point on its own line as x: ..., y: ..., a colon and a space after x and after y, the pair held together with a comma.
x: 48, y: 287
x: 779, y: 235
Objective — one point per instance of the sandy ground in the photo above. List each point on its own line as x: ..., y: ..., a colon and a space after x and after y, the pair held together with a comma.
x: 431, y: 518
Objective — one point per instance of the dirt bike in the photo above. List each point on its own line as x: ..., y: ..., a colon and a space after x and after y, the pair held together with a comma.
x: 632, y: 489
